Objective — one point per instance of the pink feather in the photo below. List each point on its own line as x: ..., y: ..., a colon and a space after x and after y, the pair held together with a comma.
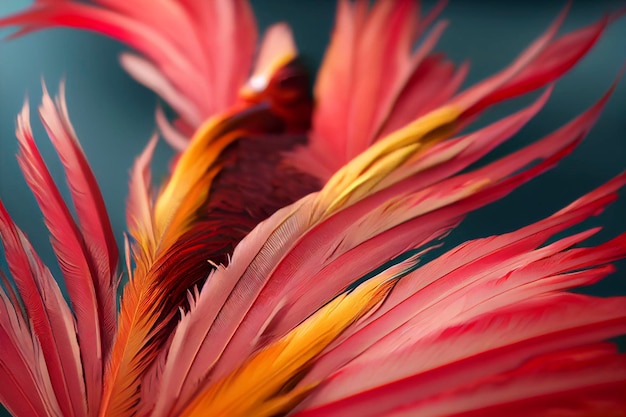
x: 444, y: 360
x: 95, y: 226
x: 382, y: 40
x: 27, y: 389
x: 480, y: 258
x: 53, y: 329
x: 74, y: 258
x: 140, y: 206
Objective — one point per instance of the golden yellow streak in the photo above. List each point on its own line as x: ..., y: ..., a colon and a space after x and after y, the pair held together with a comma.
x: 263, y: 385
x: 361, y: 176
x: 189, y: 185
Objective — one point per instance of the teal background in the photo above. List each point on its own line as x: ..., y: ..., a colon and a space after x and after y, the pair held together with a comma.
x: 114, y: 116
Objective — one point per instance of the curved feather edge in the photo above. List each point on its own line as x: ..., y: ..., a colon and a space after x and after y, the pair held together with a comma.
x: 280, y: 231
x: 180, y: 44
x: 168, y: 252
x: 479, y: 187
x: 541, y: 63
x: 40, y: 359
x: 79, y: 269
x: 91, y: 212
x: 576, y: 381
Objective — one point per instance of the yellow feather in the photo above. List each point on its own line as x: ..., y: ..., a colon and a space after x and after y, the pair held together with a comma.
x: 189, y: 185
x: 363, y: 175
x: 263, y: 385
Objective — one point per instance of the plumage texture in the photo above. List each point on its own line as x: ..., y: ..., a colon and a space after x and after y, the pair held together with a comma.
x: 259, y: 274
x: 159, y: 283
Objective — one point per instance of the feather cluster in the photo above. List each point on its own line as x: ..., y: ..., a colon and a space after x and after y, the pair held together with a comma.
x: 246, y: 293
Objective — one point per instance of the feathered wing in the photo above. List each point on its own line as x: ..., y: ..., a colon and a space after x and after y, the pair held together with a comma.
x: 149, y: 299
x: 352, y: 104
x: 263, y: 375
x: 63, y: 351
x: 90, y: 210
x: 282, y: 302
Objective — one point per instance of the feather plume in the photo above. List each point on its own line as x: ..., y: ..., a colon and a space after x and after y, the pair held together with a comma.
x: 486, y: 260
x: 156, y: 33
x: 90, y: 209
x: 500, y: 283
x: 40, y: 356
x: 239, y: 314
x: 88, y: 275
x: 414, y: 74
x: 236, y: 288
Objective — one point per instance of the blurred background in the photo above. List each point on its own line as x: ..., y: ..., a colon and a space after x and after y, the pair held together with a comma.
x: 114, y: 116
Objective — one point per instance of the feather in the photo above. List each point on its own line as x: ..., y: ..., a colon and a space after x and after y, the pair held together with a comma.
x: 181, y: 374
x: 277, y: 50
x: 144, y: 313
x: 582, y: 386
x: 79, y: 269
x: 236, y: 288
x: 232, y: 337
x: 172, y: 135
x: 382, y: 40
x: 557, y: 58
x: 474, y: 282
x: 267, y: 376
x: 156, y: 45
x: 139, y: 206
x: 281, y: 81
x: 28, y: 388
x: 222, y: 297
x: 147, y: 73
x: 40, y: 372
x: 339, y: 86
x: 282, y: 320
x: 480, y: 258
x: 94, y: 221
x: 577, y: 382
x: 354, y: 219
